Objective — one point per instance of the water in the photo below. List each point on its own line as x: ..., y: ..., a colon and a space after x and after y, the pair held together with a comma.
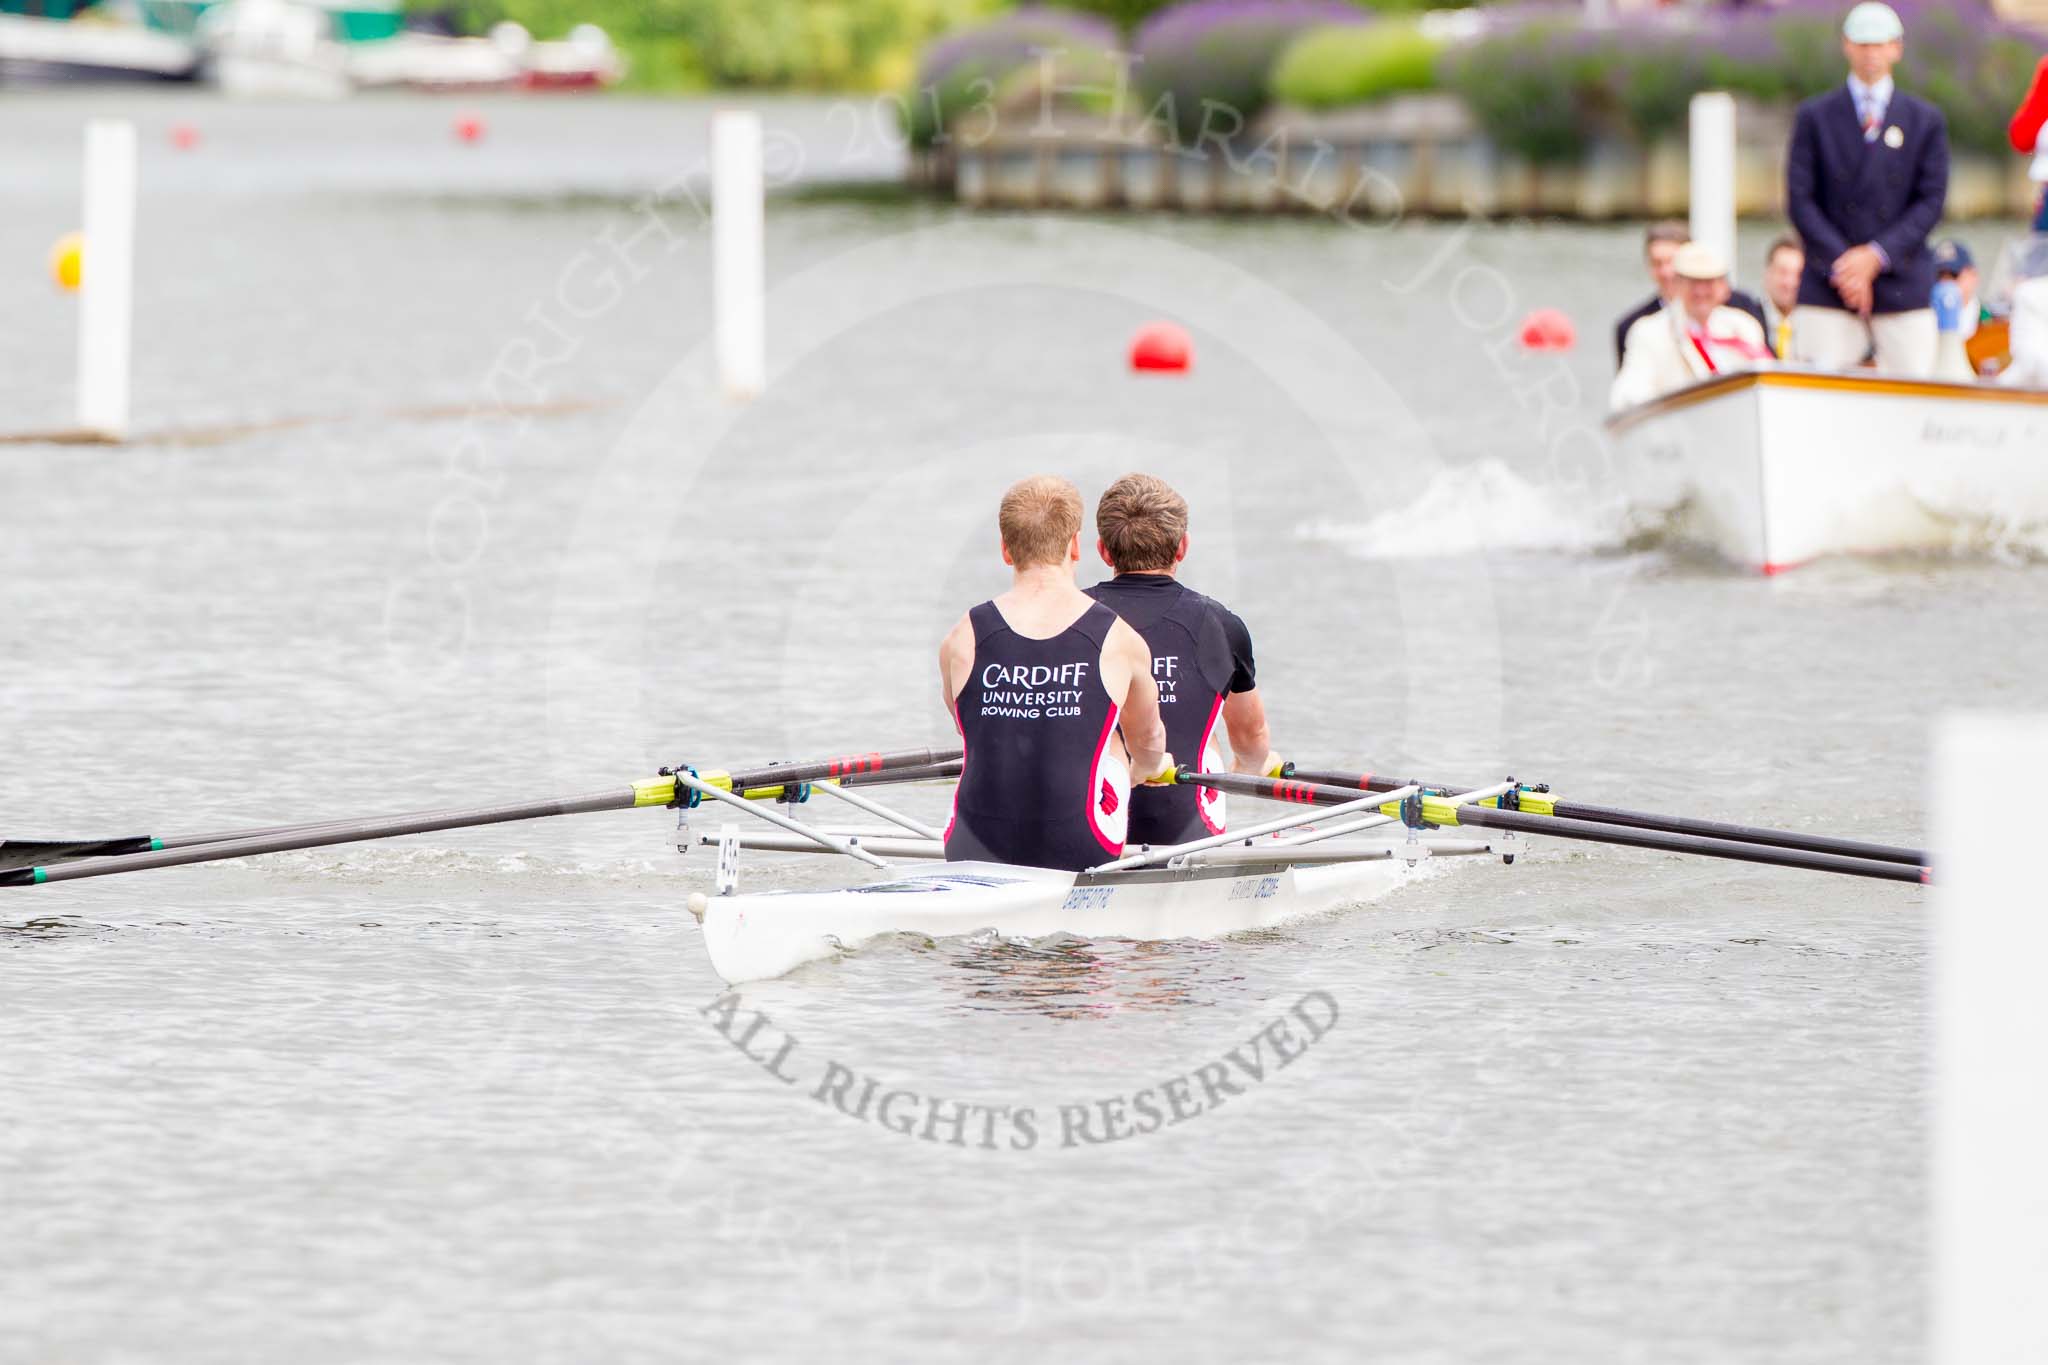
x: 459, y: 1097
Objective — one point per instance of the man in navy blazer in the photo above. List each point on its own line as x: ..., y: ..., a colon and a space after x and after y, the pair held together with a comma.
x: 1865, y: 181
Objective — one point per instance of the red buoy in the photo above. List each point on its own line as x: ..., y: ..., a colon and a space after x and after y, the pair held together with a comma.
x: 469, y: 128
x: 184, y: 136
x: 1548, y: 329
x: 1162, y: 346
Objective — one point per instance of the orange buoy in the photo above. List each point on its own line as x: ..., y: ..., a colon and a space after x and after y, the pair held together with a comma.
x: 1548, y: 329
x: 1162, y: 346
x: 184, y: 136
x: 469, y: 128
x: 67, y: 260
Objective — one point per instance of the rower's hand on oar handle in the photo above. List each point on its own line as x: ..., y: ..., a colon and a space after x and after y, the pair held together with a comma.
x: 1164, y: 775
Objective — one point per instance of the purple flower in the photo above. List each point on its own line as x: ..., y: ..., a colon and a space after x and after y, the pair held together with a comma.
x: 1203, y: 65
x: 1008, y: 42
x: 962, y: 70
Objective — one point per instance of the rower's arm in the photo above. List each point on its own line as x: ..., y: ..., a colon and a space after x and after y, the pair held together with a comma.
x: 1244, y: 710
x: 1144, y: 728
x: 956, y: 661
x: 1251, y: 739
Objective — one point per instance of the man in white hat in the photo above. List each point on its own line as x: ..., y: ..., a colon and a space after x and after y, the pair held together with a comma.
x: 1693, y: 337
x: 1866, y: 178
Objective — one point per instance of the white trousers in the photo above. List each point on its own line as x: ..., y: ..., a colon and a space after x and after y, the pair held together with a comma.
x: 1837, y: 339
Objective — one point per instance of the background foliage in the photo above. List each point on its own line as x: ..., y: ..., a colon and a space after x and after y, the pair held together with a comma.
x: 1326, y: 68
x: 1198, y: 56
x: 976, y: 69
x: 693, y: 44
x: 1543, y: 86
x: 1539, y: 81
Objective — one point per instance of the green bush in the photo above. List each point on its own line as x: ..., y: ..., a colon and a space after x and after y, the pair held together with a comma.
x: 1327, y: 67
x: 681, y: 44
x: 1518, y: 87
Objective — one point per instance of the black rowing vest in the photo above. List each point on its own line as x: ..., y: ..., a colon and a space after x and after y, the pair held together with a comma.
x: 1039, y: 785
x: 1191, y: 663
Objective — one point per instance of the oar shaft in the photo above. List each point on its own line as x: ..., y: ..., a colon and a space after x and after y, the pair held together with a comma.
x: 1298, y: 790
x: 927, y: 772
x: 909, y: 765
x: 1443, y: 811
x: 1559, y: 827
x: 1675, y: 824
x: 1753, y: 834
x: 343, y: 832
x: 846, y: 765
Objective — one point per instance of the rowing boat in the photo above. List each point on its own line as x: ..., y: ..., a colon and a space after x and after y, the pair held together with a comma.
x: 1305, y: 863
x: 755, y: 936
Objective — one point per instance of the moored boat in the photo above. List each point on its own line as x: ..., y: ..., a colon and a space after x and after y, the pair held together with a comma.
x: 330, y: 48
x: 41, y: 47
x: 1774, y: 468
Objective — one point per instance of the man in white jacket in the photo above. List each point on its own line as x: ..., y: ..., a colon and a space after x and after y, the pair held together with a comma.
x: 1693, y: 337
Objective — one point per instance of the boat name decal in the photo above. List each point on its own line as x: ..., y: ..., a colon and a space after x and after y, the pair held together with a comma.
x: 1088, y: 898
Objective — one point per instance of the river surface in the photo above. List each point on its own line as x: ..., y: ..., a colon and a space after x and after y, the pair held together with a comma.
x: 437, y: 503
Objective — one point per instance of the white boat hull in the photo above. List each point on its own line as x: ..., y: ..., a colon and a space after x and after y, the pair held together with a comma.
x: 754, y: 937
x: 56, y: 48
x: 1779, y: 467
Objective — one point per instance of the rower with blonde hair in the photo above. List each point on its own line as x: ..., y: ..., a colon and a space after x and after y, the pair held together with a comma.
x: 1047, y: 688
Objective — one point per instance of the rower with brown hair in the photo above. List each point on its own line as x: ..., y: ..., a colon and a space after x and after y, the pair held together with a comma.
x: 1201, y: 656
x: 1047, y: 687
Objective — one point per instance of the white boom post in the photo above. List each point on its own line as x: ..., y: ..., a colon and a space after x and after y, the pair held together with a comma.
x: 1990, y: 1123
x: 737, y: 253
x: 1713, y: 174
x: 106, y: 288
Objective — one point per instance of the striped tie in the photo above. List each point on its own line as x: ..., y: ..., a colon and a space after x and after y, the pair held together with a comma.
x: 1871, y: 119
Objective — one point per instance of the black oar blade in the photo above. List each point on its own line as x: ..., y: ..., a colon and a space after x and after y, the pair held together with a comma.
x: 42, y: 852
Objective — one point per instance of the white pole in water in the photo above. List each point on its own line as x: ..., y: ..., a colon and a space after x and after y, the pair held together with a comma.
x: 107, y: 278
x: 1990, y: 1124
x: 1713, y: 174
x: 737, y: 253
